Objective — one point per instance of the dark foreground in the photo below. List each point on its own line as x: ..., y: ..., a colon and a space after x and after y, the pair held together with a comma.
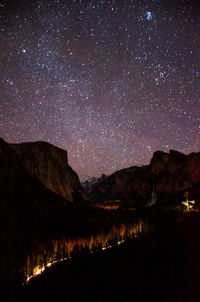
x: 162, y: 265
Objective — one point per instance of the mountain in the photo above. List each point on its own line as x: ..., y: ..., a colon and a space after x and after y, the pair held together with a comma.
x: 175, y: 173
x: 89, y: 182
x: 112, y: 187
x: 16, y: 181
x: 168, y: 174
x: 26, y: 205
x: 50, y: 165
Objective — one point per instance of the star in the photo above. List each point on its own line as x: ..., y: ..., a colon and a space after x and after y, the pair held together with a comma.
x: 149, y: 16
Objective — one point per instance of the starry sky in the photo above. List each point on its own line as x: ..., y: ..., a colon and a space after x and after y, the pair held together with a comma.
x: 109, y: 81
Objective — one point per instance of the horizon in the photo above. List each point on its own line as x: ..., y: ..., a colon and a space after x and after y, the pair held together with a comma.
x: 84, y: 177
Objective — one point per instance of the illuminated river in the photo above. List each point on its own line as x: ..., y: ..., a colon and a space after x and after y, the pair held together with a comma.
x: 48, y: 253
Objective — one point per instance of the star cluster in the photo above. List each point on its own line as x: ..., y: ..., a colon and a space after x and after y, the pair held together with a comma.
x: 109, y: 81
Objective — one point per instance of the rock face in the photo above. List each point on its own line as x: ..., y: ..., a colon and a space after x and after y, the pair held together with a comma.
x: 50, y: 165
x: 168, y: 174
x: 25, y: 202
x: 16, y: 182
x: 175, y: 173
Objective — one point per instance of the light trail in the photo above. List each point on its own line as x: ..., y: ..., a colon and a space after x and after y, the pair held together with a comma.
x: 39, y: 271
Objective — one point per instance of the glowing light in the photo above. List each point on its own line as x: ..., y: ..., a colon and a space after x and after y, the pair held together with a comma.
x: 187, y: 203
x: 107, y: 206
x: 100, y: 242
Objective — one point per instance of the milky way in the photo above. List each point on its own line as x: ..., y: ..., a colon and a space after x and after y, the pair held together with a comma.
x: 109, y: 81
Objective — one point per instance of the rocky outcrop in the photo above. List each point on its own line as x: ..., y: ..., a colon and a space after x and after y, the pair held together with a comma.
x: 50, y: 165
x: 175, y: 173
x: 24, y: 199
x: 16, y: 182
x: 168, y: 174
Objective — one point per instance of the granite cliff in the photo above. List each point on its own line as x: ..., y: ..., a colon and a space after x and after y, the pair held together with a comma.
x: 174, y: 173
x: 16, y: 182
x: 50, y: 165
x: 168, y: 174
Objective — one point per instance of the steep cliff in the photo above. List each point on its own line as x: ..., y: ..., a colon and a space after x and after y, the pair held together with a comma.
x: 16, y: 182
x: 50, y: 165
x: 26, y: 205
x: 175, y: 173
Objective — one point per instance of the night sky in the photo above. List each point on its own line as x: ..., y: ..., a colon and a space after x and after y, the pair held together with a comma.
x: 109, y: 81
